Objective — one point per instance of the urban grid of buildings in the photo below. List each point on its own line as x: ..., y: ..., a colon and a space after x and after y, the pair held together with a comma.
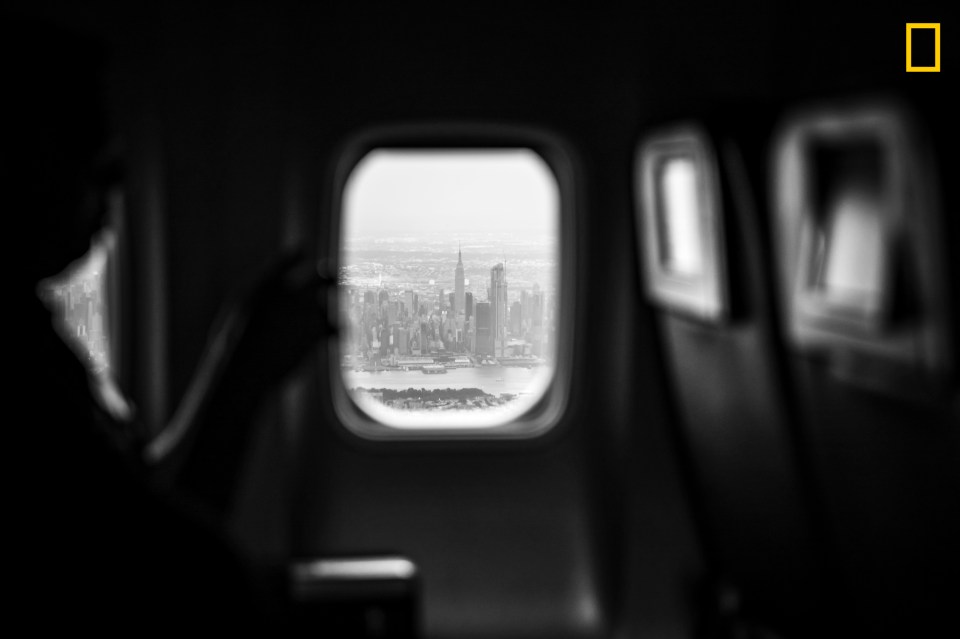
x: 431, y: 329
x: 79, y: 304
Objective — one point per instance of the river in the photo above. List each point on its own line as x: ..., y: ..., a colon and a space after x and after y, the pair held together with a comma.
x: 494, y: 380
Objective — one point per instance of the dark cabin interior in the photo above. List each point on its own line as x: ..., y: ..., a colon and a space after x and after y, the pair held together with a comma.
x: 747, y: 476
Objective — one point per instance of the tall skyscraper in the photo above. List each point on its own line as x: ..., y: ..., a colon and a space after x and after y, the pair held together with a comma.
x: 410, y: 303
x: 515, y: 319
x: 536, y: 315
x: 459, y: 305
x: 526, y: 311
x: 484, y: 331
x: 539, y: 299
x: 498, y: 306
x: 383, y: 298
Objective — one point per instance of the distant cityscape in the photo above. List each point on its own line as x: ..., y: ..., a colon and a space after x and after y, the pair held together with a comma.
x: 78, y: 302
x: 422, y: 328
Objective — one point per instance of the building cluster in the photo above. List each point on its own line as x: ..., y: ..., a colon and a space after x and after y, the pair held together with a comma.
x: 412, y: 328
x: 80, y: 306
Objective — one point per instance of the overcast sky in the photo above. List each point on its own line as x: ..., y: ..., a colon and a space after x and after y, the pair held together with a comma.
x: 405, y: 192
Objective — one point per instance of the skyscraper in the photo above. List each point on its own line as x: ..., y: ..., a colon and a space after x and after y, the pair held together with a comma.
x: 515, y: 319
x: 459, y: 306
x: 484, y: 331
x: 536, y: 315
x: 409, y: 301
x: 526, y: 311
x: 539, y: 299
x: 498, y: 305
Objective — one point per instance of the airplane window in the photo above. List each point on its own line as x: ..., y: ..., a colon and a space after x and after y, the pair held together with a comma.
x: 84, y: 302
x: 681, y: 250
x: 79, y: 300
x: 854, y: 255
x: 679, y: 213
x: 850, y: 200
x: 449, y: 285
x: 857, y: 232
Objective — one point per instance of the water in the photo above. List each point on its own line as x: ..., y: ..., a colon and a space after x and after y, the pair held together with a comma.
x: 494, y: 380
x: 528, y: 385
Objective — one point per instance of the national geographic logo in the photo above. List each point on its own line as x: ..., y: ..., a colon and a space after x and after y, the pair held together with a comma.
x: 923, y: 47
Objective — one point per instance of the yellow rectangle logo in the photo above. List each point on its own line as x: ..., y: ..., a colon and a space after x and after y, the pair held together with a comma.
x: 936, y: 38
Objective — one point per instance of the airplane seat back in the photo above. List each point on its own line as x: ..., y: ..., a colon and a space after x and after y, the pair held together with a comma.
x: 871, y: 351
x: 732, y: 409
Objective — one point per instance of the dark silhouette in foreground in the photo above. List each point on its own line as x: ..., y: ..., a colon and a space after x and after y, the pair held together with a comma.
x: 96, y: 544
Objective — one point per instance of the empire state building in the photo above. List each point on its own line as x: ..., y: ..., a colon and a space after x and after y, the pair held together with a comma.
x: 458, y: 299
x: 498, y: 305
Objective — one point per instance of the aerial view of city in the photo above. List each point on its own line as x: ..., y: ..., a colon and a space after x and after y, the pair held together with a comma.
x: 77, y: 299
x: 477, y: 338
x: 456, y: 322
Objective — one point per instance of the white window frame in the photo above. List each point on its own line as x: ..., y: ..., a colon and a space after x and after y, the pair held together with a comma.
x: 548, y: 410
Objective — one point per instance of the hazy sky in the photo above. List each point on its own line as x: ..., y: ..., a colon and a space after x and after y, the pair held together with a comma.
x: 443, y: 191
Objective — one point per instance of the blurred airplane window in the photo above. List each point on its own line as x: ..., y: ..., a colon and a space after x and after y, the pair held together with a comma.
x: 78, y: 299
x: 679, y: 212
x: 850, y: 182
x: 449, y: 285
x: 854, y: 249
x: 681, y: 249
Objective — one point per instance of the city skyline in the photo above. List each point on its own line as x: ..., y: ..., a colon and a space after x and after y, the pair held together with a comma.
x: 411, y: 332
x: 421, y: 260
x: 441, y: 302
